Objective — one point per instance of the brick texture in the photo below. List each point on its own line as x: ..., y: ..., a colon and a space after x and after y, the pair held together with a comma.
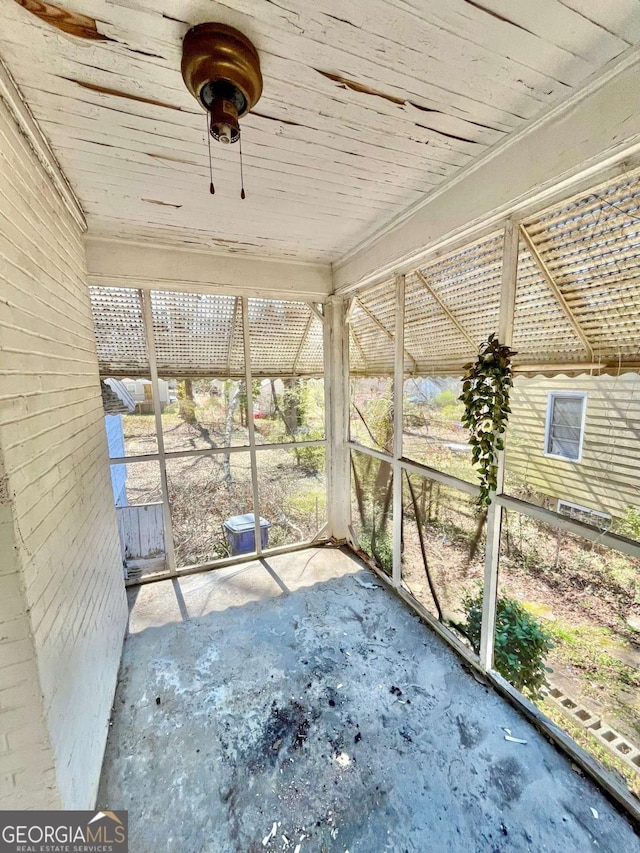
x: 62, y: 602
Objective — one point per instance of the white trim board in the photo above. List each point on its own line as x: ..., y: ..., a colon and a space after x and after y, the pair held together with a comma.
x: 122, y: 263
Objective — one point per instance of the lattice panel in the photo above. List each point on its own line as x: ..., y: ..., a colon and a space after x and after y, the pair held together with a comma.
x: 281, y: 334
x: 592, y: 249
x: 468, y: 284
x: 357, y: 363
x: 542, y: 331
x: 197, y: 334
x: 201, y: 335
x: 430, y: 336
x: 119, y: 328
x: 372, y: 331
x: 310, y: 360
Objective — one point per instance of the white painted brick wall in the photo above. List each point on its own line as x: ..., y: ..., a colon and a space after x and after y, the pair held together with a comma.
x: 62, y: 602
x: 27, y: 773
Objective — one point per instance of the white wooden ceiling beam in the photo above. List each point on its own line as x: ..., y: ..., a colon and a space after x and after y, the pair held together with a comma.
x: 121, y: 263
x: 317, y: 312
x: 591, y: 131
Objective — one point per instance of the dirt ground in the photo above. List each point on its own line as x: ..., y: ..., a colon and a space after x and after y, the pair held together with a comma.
x: 205, y: 491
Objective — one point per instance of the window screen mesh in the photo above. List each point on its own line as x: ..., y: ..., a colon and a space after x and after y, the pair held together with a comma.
x: 198, y: 334
x: 372, y: 331
x: 285, y: 338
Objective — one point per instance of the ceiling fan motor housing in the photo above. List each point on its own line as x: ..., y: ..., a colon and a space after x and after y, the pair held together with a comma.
x: 221, y: 69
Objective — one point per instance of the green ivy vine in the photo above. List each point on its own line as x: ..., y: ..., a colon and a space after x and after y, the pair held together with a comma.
x: 485, y: 394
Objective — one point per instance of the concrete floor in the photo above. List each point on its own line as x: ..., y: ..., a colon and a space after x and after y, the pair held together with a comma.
x: 288, y: 706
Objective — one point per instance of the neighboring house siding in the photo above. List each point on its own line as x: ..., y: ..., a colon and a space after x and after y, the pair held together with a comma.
x: 62, y: 601
x: 607, y: 477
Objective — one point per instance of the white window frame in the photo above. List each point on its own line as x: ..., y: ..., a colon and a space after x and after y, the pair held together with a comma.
x: 551, y: 396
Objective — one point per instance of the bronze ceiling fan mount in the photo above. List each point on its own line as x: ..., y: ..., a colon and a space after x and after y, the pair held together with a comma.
x: 221, y: 69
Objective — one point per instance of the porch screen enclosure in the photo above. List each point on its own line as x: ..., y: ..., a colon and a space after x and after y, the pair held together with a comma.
x: 558, y: 549
x: 343, y: 420
x: 228, y: 430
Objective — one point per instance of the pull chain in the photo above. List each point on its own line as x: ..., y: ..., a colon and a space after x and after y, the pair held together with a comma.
x: 242, y: 192
x: 212, y: 189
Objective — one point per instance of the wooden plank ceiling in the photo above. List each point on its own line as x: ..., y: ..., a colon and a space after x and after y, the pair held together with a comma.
x: 368, y: 105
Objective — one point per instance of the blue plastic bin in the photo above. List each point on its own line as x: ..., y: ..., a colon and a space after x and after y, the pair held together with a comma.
x: 240, y: 531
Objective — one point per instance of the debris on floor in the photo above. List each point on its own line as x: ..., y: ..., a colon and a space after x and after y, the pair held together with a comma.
x: 270, y: 737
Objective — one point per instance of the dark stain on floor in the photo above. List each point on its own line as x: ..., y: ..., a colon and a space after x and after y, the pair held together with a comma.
x: 331, y: 719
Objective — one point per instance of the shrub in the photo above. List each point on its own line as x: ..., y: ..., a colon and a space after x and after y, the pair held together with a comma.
x: 302, y: 506
x: 447, y: 397
x: 312, y: 459
x: 521, y: 644
x: 629, y: 525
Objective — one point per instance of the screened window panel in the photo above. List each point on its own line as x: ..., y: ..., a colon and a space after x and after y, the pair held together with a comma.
x: 467, y: 284
x: 372, y: 331
x: 285, y: 339
x: 541, y: 329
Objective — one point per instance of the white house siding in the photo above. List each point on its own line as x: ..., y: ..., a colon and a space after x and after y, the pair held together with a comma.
x: 62, y: 602
x: 607, y: 478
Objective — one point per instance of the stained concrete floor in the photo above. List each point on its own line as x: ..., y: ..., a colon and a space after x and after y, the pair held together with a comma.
x: 288, y: 706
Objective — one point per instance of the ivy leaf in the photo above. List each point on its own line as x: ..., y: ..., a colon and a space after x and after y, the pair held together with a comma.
x: 485, y: 394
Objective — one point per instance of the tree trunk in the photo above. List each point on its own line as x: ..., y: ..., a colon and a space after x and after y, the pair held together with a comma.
x: 357, y: 487
x: 186, y: 403
x: 286, y: 417
x: 234, y: 394
x: 291, y: 404
x: 382, y: 491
